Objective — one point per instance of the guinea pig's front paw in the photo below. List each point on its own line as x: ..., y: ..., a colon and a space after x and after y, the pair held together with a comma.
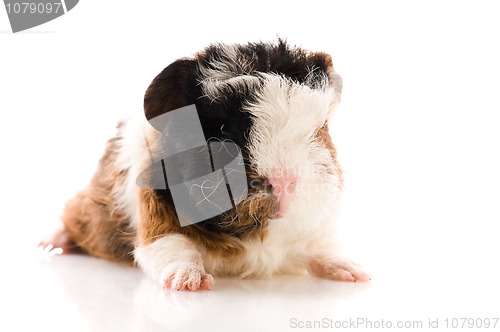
x: 337, y: 269
x: 187, y: 277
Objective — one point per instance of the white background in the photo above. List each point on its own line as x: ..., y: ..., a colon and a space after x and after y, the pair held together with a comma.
x: 417, y: 133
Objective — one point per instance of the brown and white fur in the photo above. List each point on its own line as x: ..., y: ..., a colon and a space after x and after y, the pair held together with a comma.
x: 276, y: 102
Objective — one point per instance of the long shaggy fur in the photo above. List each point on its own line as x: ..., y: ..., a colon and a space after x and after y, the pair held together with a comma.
x: 272, y: 100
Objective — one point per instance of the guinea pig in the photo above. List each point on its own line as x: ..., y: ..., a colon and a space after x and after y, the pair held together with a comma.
x: 270, y: 100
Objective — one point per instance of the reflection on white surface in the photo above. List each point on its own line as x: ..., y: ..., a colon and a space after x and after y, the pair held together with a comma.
x: 82, y: 293
x: 248, y: 305
x: 91, y: 294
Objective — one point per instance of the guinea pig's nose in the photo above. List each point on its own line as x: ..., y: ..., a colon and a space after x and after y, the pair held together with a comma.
x: 283, y: 185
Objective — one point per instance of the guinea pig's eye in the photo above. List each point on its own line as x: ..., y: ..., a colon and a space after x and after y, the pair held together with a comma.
x: 224, y: 131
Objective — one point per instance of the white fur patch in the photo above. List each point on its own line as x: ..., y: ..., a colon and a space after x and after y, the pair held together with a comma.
x: 131, y: 159
x: 214, y: 89
x: 283, y: 136
x: 286, y: 249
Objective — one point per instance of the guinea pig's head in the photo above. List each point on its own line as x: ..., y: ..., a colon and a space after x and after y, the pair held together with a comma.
x: 274, y: 102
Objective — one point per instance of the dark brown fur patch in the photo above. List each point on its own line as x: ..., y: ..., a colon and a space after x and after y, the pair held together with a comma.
x: 92, y: 219
x: 324, y: 62
x: 174, y: 87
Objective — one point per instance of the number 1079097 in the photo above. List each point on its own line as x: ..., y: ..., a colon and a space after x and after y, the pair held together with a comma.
x: 33, y: 8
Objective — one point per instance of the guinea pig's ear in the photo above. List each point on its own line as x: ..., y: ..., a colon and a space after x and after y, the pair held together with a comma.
x: 175, y: 87
x: 323, y: 62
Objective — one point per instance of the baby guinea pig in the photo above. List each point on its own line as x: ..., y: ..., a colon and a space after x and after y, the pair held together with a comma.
x: 273, y: 102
